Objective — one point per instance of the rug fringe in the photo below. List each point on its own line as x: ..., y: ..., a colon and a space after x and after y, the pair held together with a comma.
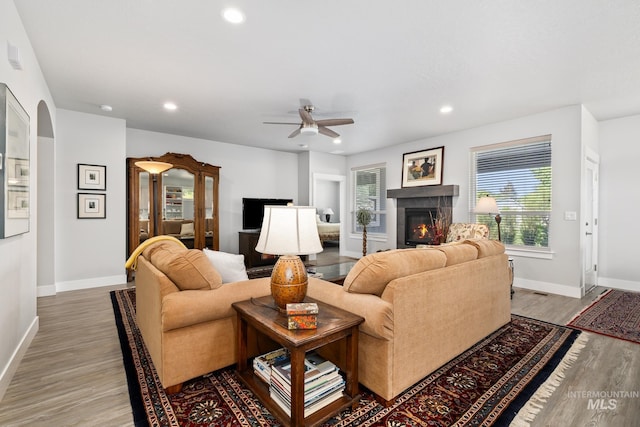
x: 528, y: 412
x: 598, y: 298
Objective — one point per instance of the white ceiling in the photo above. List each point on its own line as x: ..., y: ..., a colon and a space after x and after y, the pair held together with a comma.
x: 388, y: 65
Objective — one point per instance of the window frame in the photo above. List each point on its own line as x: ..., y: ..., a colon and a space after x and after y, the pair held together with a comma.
x: 380, y: 215
x: 519, y: 248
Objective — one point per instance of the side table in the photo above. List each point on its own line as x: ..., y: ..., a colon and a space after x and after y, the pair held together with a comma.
x: 333, y: 324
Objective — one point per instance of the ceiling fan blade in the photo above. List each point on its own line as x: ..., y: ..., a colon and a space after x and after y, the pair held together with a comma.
x: 334, y: 122
x: 280, y: 123
x: 328, y: 132
x: 295, y: 133
x: 306, y: 117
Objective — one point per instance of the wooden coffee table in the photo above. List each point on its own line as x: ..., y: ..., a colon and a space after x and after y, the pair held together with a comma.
x: 333, y: 324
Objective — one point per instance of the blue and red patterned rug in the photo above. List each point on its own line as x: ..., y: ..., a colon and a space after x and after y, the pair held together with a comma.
x: 614, y: 313
x: 492, y: 383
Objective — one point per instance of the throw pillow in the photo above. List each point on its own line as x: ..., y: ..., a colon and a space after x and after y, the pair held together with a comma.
x: 189, y: 269
x: 230, y: 266
x: 186, y: 229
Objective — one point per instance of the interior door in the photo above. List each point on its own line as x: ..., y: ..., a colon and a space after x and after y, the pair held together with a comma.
x: 590, y: 247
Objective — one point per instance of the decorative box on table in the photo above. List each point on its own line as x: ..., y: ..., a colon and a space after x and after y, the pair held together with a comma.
x: 303, y: 315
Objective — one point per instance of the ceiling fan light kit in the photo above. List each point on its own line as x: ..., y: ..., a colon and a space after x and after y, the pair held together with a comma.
x: 309, y: 129
x: 309, y: 126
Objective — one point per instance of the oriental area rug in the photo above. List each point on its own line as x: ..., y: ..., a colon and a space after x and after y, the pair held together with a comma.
x: 614, y: 313
x: 502, y: 380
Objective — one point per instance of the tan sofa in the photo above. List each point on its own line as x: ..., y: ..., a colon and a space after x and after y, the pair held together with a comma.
x: 184, y: 312
x: 422, y: 308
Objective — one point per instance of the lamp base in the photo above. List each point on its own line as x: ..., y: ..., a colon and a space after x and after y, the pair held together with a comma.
x: 327, y: 217
x: 288, y: 281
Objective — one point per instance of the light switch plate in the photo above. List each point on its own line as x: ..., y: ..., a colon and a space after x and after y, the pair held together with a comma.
x: 570, y: 216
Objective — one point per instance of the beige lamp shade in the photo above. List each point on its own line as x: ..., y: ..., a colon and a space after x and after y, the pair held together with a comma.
x: 328, y: 211
x: 487, y: 205
x: 289, y: 230
x: 153, y: 166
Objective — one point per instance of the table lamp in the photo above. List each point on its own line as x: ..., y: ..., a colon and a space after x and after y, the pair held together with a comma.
x: 488, y: 205
x: 327, y: 213
x: 289, y: 231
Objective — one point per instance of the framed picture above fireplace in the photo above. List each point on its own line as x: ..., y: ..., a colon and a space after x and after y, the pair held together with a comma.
x: 422, y: 167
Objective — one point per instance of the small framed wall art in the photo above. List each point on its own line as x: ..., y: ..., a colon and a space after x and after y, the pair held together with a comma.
x: 92, y: 177
x: 92, y: 206
x: 422, y: 167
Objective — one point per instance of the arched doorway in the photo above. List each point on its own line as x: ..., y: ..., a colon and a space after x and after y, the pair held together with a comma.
x: 45, y: 203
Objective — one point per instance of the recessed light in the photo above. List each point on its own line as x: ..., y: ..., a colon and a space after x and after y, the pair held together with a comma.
x: 106, y: 108
x: 337, y: 141
x: 303, y: 145
x: 170, y: 106
x: 446, y: 109
x: 233, y: 15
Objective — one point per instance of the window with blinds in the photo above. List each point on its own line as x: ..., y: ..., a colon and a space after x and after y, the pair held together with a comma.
x: 370, y: 192
x: 518, y: 175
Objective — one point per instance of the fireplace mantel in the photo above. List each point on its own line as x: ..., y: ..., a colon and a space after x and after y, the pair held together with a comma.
x: 408, y: 199
x: 426, y: 191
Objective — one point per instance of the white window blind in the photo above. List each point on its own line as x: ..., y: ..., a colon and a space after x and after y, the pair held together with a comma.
x: 518, y: 175
x: 370, y: 192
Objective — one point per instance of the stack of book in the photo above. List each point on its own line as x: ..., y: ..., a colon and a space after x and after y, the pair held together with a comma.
x: 262, y: 364
x: 323, y: 383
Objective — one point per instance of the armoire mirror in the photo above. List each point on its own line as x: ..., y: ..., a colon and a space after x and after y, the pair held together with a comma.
x: 181, y: 201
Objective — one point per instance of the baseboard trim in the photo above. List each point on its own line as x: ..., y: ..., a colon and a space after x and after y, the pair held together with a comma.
x: 547, y: 287
x: 625, y: 285
x: 11, y: 367
x: 94, y: 282
x: 45, y: 290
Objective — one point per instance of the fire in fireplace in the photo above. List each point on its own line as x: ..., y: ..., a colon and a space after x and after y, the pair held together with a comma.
x: 421, y: 227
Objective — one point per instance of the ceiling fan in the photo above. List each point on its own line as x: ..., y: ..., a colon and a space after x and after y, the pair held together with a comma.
x: 309, y: 126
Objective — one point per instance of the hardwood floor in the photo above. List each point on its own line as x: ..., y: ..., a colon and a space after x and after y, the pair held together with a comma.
x: 72, y: 375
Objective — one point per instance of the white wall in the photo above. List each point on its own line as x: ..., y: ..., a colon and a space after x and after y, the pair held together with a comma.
x: 328, y: 193
x: 89, y: 252
x: 245, y: 172
x: 18, y: 266
x: 619, y: 203
x: 562, y: 273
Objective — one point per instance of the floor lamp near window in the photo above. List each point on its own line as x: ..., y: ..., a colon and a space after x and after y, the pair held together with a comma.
x: 289, y: 231
x: 488, y: 205
x: 154, y: 168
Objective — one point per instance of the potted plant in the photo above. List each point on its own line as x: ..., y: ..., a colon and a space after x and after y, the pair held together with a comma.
x: 363, y: 218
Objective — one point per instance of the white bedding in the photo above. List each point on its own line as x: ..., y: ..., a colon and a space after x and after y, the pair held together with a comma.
x: 329, y: 227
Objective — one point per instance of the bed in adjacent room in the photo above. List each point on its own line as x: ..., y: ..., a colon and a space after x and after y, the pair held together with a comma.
x: 328, y: 230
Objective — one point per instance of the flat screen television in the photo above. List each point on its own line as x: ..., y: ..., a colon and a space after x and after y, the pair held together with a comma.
x: 253, y: 211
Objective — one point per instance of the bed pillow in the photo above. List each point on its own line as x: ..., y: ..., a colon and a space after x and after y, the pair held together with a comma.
x: 186, y: 229
x: 230, y: 266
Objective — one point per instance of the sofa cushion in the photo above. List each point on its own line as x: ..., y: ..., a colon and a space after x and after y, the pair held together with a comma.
x: 230, y: 266
x: 189, y: 269
x: 458, y: 253
x: 486, y: 247
x: 372, y: 273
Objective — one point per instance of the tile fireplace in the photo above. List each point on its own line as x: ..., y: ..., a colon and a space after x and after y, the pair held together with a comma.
x: 417, y: 210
